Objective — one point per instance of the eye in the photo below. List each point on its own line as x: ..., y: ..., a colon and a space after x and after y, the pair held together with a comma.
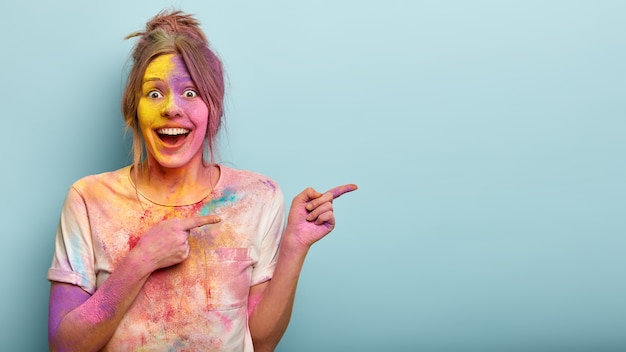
x: 154, y: 94
x: 190, y: 93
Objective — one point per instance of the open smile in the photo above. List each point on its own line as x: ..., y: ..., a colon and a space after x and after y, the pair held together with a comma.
x: 172, y: 135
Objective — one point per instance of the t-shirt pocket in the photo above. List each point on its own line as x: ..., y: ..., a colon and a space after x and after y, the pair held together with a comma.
x: 228, y: 271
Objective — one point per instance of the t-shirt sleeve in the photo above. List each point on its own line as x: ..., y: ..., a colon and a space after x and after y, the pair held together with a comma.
x: 73, y: 259
x: 272, y: 231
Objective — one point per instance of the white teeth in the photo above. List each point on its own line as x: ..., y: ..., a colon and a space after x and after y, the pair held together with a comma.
x: 172, y: 131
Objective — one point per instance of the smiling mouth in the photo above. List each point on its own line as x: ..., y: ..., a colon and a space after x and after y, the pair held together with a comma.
x: 172, y: 135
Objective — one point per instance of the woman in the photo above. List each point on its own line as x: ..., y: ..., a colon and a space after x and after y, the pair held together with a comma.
x: 176, y: 252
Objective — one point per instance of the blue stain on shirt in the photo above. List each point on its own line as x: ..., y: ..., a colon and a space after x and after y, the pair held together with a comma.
x: 228, y: 196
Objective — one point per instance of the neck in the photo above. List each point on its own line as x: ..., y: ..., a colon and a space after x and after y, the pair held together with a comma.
x: 184, y: 185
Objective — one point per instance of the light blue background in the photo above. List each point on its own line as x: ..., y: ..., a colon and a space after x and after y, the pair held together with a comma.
x: 488, y: 139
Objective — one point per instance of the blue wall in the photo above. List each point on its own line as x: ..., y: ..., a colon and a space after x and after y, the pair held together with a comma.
x: 488, y: 139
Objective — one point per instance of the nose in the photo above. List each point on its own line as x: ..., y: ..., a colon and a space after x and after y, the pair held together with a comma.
x: 171, y: 108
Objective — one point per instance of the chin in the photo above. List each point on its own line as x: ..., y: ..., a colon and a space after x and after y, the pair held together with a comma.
x: 172, y: 164
x: 176, y: 159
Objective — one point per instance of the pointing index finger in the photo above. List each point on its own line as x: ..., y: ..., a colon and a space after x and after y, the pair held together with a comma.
x: 198, y: 221
x: 339, y: 191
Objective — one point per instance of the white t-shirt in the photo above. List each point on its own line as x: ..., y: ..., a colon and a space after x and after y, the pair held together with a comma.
x: 197, y: 305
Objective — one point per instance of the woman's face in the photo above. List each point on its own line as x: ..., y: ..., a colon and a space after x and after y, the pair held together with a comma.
x: 172, y: 116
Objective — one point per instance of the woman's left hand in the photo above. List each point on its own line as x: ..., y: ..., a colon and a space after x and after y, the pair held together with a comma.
x: 311, y: 215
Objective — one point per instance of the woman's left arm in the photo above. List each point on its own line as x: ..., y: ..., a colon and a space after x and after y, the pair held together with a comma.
x: 270, y: 304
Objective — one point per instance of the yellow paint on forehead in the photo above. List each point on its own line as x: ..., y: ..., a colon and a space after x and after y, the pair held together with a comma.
x: 159, y: 67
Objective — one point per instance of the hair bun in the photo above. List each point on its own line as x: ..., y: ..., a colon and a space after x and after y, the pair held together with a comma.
x: 173, y: 21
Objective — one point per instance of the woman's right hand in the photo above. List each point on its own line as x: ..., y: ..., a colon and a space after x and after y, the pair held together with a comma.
x: 166, y: 243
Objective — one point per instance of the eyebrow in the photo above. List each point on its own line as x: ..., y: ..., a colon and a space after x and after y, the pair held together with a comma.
x: 151, y: 79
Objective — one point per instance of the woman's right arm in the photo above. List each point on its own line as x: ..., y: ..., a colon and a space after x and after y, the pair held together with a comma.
x: 78, y: 321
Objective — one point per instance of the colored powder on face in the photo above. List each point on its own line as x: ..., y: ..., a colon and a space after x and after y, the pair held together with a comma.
x: 228, y: 196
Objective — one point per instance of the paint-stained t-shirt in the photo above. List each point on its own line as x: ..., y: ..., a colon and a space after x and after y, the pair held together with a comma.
x: 197, y: 305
